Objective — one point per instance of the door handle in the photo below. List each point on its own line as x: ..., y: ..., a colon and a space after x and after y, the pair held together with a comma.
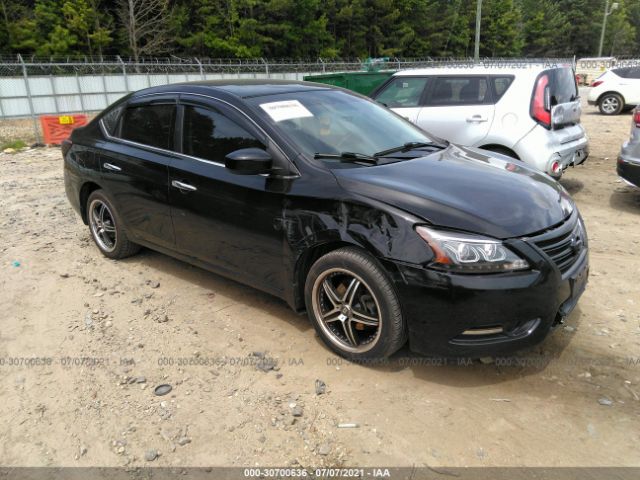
x: 111, y: 166
x: 184, y: 187
x: 476, y: 119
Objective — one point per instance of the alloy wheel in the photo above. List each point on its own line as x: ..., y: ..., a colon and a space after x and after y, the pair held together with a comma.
x: 102, y: 225
x: 610, y: 105
x: 347, y: 310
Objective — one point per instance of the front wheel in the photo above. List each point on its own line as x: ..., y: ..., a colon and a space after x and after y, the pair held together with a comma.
x: 353, y: 305
x: 106, y: 228
x: 611, y: 104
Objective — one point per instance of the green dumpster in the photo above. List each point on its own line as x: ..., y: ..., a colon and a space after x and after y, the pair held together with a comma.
x: 361, y: 82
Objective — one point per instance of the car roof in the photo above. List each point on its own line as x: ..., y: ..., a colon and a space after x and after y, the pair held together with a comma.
x: 524, y: 69
x: 238, y: 88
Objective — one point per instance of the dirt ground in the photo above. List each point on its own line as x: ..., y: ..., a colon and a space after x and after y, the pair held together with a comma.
x: 85, y: 340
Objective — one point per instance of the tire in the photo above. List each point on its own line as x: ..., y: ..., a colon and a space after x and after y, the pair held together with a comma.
x: 611, y: 104
x: 361, y: 311
x: 106, y: 227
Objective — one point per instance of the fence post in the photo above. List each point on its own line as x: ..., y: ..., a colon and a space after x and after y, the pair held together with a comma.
x: 323, y: 67
x: 80, y: 93
x: 31, y: 109
x: 200, y: 67
x: 55, y: 94
x: 266, y: 67
x: 124, y: 74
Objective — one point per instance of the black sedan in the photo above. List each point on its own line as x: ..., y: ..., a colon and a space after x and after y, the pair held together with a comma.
x: 381, y: 232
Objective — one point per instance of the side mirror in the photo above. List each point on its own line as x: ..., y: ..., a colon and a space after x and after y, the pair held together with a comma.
x: 248, y: 161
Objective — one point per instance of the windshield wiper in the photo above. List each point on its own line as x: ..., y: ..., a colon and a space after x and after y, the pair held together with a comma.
x: 404, y: 148
x: 349, y: 157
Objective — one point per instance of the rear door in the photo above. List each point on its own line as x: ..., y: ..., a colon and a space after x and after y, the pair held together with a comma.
x: 458, y: 108
x: 403, y: 95
x: 134, y: 167
x: 229, y: 221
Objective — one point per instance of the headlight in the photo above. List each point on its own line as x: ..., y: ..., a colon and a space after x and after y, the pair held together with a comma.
x: 470, y: 253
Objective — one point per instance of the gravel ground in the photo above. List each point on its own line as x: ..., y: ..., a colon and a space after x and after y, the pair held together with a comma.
x: 85, y: 340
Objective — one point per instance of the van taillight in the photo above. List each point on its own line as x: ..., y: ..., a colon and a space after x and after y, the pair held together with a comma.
x: 540, y: 110
x: 636, y: 118
x: 65, y: 147
x: 597, y: 82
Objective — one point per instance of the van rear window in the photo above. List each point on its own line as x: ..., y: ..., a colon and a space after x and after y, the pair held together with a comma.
x: 562, y: 83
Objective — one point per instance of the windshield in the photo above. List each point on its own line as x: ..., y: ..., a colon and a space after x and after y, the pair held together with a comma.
x: 332, y: 122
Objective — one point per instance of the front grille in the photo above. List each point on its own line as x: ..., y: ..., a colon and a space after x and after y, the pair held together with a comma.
x: 563, y: 245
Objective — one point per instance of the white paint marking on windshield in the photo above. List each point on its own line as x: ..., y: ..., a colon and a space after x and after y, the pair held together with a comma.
x: 285, y: 110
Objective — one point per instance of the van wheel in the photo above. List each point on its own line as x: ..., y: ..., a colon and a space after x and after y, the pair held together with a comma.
x: 611, y: 104
x: 106, y: 228
x: 353, y: 305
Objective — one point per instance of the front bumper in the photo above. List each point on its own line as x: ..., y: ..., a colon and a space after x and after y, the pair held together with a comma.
x: 457, y: 315
x: 629, y: 170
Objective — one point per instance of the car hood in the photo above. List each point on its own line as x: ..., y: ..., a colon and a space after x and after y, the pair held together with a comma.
x: 466, y: 189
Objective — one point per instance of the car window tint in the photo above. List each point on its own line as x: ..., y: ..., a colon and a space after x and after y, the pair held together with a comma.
x: 562, y: 85
x: 500, y: 85
x: 459, y: 91
x: 621, y: 72
x: 110, y: 119
x: 402, y: 92
x: 210, y: 135
x: 150, y: 125
x: 634, y: 73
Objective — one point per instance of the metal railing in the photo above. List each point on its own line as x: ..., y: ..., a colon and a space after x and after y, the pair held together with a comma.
x: 33, y: 86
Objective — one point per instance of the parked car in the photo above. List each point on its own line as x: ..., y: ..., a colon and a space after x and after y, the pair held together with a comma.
x: 615, y: 90
x: 339, y: 206
x: 629, y: 158
x: 532, y: 114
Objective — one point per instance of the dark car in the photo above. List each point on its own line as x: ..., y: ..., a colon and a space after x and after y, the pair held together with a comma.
x: 629, y: 159
x: 339, y: 206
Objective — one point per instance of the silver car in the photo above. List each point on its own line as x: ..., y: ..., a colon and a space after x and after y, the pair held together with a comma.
x: 629, y: 158
x: 530, y: 112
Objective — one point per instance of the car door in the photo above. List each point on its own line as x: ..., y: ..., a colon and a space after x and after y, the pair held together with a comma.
x: 403, y: 95
x: 229, y: 221
x: 134, y: 167
x: 458, y: 108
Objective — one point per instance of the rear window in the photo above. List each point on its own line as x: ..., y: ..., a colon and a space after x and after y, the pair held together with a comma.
x: 562, y: 83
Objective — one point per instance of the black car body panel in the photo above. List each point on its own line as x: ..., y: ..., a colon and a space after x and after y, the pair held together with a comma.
x: 266, y: 230
x: 629, y: 170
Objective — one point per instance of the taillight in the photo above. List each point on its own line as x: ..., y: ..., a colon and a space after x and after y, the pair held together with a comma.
x: 636, y: 118
x: 65, y: 147
x: 597, y: 82
x: 540, y: 110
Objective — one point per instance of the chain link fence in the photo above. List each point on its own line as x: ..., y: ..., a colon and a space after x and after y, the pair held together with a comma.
x: 32, y: 86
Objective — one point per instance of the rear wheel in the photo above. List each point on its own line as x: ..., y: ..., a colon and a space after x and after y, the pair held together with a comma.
x: 611, y: 104
x: 106, y: 228
x: 353, y: 305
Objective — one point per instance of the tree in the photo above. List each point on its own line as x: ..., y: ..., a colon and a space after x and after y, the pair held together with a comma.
x: 545, y: 28
x: 145, y: 26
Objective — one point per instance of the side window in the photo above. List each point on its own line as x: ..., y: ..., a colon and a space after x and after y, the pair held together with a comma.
x: 459, y: 91
x: 210, y: 135
x: 402, y: 92
x: 634, y: 73
x: 622, y: 72
x: 500, y: 86
x: 110, y: 120
x: 150, y: 125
